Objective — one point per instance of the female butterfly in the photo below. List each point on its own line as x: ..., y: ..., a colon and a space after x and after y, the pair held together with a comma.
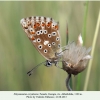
x: 43, y: 32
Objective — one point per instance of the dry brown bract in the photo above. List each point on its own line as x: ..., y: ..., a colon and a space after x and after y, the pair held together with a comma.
x: 75, y: 58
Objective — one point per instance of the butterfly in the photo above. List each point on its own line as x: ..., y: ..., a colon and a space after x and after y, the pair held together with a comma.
x: 43, y: 32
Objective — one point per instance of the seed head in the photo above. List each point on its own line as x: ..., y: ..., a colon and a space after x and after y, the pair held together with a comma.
x: 75, y: 58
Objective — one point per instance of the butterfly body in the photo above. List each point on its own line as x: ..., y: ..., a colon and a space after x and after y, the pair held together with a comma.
x: 43, y: 32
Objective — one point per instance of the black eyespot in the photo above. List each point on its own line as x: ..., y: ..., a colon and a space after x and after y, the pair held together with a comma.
x: 38, y: 32
x: 57, y: 39
x: 38, y: 40
x: 49, y: 45
x: 45, y: 31
x: 41, y: 31
x: 53, y: 33
x: 53, y: 25
x: 45, y: 50
x: 31, y: 30
x: 58, y: 45
x: 49, y: 35
x: 53, y: 43
x: 40, y: 46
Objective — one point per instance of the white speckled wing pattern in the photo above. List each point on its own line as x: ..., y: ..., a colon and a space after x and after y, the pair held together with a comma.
x: 43, y: 32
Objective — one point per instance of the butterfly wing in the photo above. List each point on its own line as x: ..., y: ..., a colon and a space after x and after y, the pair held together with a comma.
x: 43, y: 32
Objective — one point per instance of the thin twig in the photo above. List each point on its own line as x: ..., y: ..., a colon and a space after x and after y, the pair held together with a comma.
x: 67, y: 82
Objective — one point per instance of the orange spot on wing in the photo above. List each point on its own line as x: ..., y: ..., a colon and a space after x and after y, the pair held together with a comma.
x: 38, y: 24
x: 56, y: 27
x: 34, y: 26
x: 49, y: 24
x: 32, y: 38
x: 43, y: 24
x: 32, y: 32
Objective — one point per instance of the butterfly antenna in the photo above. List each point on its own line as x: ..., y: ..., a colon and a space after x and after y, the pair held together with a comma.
x: 30, y: 72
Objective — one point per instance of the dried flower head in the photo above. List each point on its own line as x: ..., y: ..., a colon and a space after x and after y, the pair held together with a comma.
x: 75, y: 58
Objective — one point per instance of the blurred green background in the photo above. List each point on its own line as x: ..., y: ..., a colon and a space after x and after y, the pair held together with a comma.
x: 18, y: 55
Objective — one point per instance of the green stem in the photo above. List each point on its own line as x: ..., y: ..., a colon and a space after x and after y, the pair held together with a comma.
x: 83, y: 36
x: 92, y: 53
x: 85, y: 21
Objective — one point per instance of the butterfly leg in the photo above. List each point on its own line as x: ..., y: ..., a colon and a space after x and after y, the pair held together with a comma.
x: 56, y: 64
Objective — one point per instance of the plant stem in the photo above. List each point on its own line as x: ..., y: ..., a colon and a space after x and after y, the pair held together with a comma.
x: 67, y: 82
x: 92, y: 53
x: 85, y: 21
